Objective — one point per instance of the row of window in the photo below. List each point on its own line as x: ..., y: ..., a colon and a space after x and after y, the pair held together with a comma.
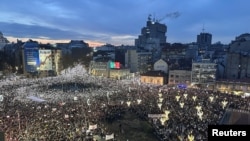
x: 177, y: 76
x: 151, y: 80
x: 233, y: 86
x: 178, y: 81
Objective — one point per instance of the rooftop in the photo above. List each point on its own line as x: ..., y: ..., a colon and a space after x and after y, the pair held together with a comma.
x: 236, y: 117
x: 154, y: 73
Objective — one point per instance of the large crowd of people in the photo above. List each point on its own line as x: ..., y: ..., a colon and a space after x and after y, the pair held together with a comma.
x: 70, y: 108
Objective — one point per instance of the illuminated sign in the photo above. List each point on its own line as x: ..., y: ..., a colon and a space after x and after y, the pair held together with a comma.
x: 114, y: 65
x: 45, y: 60
x: 182, y: 86
x: 31, y: 57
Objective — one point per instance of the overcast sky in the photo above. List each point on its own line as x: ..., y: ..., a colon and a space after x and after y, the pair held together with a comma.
x: 120, y: 21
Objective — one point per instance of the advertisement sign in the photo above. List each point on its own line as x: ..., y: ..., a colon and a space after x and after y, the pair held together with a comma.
x: 31, y: 56
x: 45, y: 60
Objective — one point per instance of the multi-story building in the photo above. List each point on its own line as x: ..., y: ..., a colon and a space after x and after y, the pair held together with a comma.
x: 105, y: 69
x: 105, y: 51
x: 175, y: 51
x: 203, y: 72
x: 138, y: 61
x: 161, y: 65
x: 238, y: 58
x: 3, y: 41
x: 64, y: 47
x: 204, y: 41
x: 30, y: 57
x: 179, y: 77
x: 154, y: 77
x: 233, y: 87
x: 153, y: 29
x: 152, y: 38
x: 78, y: 44
x: 120, y: 52
x: 40, y: 60
x: 57, y: 61
x: 99, y: 68
x: 122, y: 73
x: 192, y: 51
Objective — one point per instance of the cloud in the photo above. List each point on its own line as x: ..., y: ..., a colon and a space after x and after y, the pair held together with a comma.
x: 114, y: 21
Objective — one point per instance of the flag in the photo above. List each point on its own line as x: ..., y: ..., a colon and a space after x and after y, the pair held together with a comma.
x: 93, y: 127
x: 66, y: 116
x: 37, y: 99
x: 109, y: 137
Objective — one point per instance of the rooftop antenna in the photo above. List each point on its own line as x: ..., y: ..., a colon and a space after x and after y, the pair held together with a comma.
x: 149, y: 17
x: 203, y: 29
x: 154, y: 18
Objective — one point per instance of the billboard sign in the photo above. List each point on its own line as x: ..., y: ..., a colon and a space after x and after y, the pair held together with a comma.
x: 31, y: 56
x: 114, y: 65
x: 45, y: 60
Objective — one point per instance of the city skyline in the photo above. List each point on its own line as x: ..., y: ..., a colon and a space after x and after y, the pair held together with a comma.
x: 120, y: 22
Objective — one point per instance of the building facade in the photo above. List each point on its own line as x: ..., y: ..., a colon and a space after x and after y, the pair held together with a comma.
x: 3, y: 41
x: 175, y: 51
x: 204, y: 41
x: 119, y: 73
x: 154, y: 30
x: 78, y: 44
x: 38, y: 61
x: 233, y: 87
x: 152, y: 38
x: 179, y: 77
x: 203, y: 72
x: 138, y: 61
x: 154, y: 77
x: 161, y: 65
x: 57, y: 61
x: 99, y: 68
x: 104, y: 69
x: 238, y: 58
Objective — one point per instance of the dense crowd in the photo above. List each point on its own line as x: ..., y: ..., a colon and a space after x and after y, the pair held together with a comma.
x: 72, y: 104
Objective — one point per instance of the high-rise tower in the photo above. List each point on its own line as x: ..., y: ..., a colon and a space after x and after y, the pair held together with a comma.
x: 204, y: 41
x: 152, y: 37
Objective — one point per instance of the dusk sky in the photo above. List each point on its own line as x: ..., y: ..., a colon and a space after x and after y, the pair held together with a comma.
x: 120, y: 21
